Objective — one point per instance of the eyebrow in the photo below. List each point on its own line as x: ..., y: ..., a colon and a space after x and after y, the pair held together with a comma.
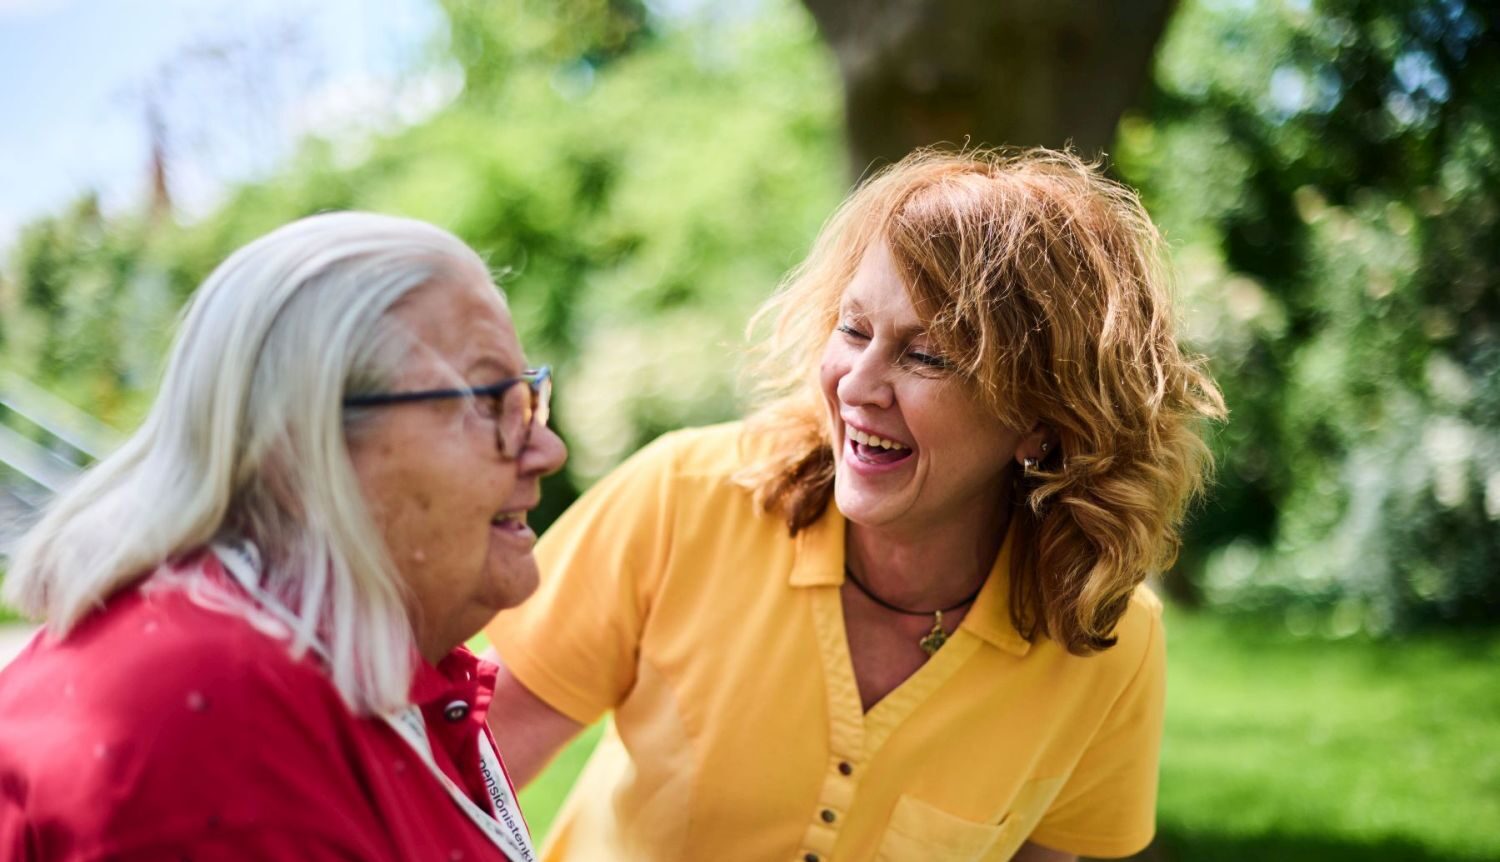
x: 491, y: 364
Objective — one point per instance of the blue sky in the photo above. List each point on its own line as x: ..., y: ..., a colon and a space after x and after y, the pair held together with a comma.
x: 73, y: 74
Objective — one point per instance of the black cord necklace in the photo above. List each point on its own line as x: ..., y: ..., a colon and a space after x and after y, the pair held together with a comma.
x: 933, y: 640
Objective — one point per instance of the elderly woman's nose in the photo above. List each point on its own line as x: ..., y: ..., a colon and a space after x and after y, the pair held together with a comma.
x: 866, y: 382
x: 544, y: 454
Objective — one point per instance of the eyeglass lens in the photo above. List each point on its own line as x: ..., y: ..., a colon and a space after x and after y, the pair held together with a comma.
x: 521, y: 407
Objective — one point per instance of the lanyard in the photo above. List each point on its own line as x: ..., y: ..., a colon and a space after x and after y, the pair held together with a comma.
x: 504, y: 825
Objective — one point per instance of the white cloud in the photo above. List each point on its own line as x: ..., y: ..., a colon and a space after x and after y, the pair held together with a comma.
x: 357, y: 105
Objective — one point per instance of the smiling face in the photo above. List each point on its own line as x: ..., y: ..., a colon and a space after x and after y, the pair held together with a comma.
x: 913, y: 447
x: 451, y: 510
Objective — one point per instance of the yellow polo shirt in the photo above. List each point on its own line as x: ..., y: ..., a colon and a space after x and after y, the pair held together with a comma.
x: 718, y: 642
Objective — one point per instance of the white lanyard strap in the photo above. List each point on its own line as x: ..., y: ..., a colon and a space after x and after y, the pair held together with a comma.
x: 504, y: 826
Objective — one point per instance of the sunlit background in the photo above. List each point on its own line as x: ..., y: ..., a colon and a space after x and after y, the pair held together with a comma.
x: 642, y: 173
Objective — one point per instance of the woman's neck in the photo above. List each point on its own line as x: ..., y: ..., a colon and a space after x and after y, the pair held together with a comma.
x: 434, y: 652
x: 930, y: 566
x: 434, y: 644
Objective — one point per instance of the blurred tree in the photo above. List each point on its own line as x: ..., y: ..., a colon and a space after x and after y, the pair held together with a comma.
x: 639, y: 184
x: 79, y: 298
x: 491, y: 39
x: 1021, y: 72
x: 1330, y: 172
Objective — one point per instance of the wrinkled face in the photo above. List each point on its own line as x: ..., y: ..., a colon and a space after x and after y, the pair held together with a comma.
x: 451, y: 510
x: 912, y: 446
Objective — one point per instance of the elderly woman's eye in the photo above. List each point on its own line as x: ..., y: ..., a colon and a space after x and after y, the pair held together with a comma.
x: 488, y: 404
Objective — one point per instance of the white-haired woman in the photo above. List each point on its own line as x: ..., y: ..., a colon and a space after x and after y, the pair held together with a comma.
x: 255, y: 610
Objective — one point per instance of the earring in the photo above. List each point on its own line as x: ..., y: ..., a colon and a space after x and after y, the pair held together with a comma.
x: 1028, y: 464
x: 1045, y: 446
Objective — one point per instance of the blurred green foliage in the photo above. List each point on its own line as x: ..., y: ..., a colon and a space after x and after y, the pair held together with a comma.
x: 639, y: 191
x: 1326, y: 171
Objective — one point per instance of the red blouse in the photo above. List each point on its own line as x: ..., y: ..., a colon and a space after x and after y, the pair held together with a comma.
x: 159, y: 729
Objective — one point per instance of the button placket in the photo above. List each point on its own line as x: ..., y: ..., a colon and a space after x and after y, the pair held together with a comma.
x: 846, y: 731
x: 833, y: 801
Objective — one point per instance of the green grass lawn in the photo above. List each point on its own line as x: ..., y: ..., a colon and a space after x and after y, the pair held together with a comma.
x: 1285, y: 749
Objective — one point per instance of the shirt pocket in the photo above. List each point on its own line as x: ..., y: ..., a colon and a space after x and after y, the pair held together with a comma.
x: 922, y: 832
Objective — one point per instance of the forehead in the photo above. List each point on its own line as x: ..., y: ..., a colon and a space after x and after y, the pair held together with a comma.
x: 461, y: 322
x: 877, y: 288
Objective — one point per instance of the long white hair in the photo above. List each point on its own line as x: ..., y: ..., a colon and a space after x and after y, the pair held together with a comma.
x: 247, y: 440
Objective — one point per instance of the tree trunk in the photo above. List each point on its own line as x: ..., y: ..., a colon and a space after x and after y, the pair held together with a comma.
x: 991, y: 72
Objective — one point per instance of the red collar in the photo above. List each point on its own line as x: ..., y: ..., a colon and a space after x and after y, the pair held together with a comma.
x: 460, y: 675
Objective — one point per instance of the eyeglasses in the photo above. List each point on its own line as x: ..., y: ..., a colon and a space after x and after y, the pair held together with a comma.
x: 515, y: 409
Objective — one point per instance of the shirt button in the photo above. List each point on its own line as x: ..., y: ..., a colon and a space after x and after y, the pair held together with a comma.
x: 456, y: 711
x: 845, y: 768
x: 828, y: 815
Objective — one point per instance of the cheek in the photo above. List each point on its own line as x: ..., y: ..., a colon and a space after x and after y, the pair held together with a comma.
x: 984, y: 448
x: 951, y: 429
x: 374, y: 470
x: 421, y: 509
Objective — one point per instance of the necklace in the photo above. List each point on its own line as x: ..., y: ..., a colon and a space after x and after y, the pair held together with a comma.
x: 933, y: 640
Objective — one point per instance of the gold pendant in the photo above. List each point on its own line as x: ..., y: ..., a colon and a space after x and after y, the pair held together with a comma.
x: 934, y: 639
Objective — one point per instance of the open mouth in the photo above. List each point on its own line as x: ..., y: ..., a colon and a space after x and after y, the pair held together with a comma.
x: 873, y: 449
x: 510, y: 522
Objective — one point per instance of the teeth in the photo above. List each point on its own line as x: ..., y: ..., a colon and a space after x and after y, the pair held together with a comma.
x: 518, y: 517
x: 870, y: 439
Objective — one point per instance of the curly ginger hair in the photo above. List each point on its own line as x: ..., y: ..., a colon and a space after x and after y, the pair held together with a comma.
x: 1046, y: 286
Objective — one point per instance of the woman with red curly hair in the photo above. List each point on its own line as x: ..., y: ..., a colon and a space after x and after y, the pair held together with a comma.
x: 898, y: 612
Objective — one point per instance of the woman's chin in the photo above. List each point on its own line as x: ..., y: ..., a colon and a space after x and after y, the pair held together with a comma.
x: 864, y: 508
x: 515, y: 578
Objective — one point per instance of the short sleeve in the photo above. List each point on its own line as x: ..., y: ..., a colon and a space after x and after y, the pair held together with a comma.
x: 1107, y: 807
x: 575, y: 643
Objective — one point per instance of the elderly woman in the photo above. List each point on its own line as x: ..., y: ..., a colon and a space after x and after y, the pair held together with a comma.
x: 897, y: 614
x: 255, y: 610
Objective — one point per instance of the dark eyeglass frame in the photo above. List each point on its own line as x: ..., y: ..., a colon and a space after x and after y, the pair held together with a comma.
x: 539, y: 380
